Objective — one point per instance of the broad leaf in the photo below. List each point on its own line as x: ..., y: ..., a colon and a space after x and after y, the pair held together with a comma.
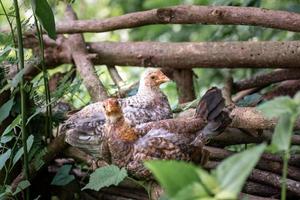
x: 21, y: 186
x: 12, y: 125
x: 278, y: 106
x: 5, y: 109
x: 173, y: 175
x: 193, y: 191
x: 106, y: 176
x: 6, y: 138
x: 62, y: 176
x: 233, y: 171
x: 281, y: 138
x: 4, y: 157
x: 44, y: 13
x: 6, y: 50
x: 17, y: 78
x: 20, y: 152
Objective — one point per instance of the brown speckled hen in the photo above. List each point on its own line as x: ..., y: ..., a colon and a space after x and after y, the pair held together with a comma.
x: 84, y: 129
x: 126, y: 148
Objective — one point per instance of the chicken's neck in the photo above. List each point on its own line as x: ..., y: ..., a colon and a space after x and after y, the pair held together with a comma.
x: 122, y: 129
x: 149, y: 91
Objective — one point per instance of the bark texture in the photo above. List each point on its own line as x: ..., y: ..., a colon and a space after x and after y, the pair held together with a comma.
x: 189, y: 14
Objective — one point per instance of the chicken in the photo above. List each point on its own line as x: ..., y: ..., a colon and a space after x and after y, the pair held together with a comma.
x: 126, y: 148
x: 84, y: 129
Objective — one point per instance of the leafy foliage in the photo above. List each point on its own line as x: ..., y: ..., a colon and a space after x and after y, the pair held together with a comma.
x: 44, y: 13
x: 106, y: 176
x: 4, y: 157
x: 233, y: 171
x: 288, y: 110
x: 5, y: 109
x: 193, y: 182
x: 62, y: 176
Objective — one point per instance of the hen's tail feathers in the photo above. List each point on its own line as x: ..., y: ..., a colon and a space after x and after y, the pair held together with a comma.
x: 212, y: 108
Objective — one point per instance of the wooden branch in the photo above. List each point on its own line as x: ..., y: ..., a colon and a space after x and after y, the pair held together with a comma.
x: 267, y: 178
x: 187, y: 55
x: 188, y: 14
x: 115, y: 76
x: 247, y: 118
x: 274, y: 180
x: 184, y: 55
x: 83, y: 64
x: 286, y: 88
x: 263, y: 164
x: 260, y: 189
x: 185, y: 85
x: 233, y: 136
x: 263, y: 80
x: 253, y: 197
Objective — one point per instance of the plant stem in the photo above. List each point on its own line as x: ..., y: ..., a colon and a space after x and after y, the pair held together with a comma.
x: 22, y: 91
x: 286, y: 156
x: 45, y: 78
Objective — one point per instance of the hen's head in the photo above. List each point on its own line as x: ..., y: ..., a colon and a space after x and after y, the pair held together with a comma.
x: 112, y: 108
x: 153, y: 78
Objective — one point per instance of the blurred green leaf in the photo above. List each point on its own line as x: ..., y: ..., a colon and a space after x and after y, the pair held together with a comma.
x: 193, y: 191
x: 166, y: 173
x: 17, y: 78
x: 5, y: 109
x: 4, y: 157
x: 278, y: 106
x: 44, y: 13
x: 62, y: 177
x: 20, y: 152
x: 6, y: 138
x: 106, y: 176
x: 21, y: 186
x: 233, y: 171
x: 281, y: 138
x: 14, y: 123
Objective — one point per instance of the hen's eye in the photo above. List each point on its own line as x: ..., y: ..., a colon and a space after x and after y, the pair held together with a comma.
x: 152, y: 77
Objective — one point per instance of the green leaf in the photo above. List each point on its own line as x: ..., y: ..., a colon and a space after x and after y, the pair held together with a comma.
x: 278, y: 106
x: 44, y: 13
x: 6, y: 138
x: 193, y: 191
x: 106, y: 176
x: 5, y: 109
x: 20, y: 152
x: 17, y: 78
x: 62, y: 176
x: 4, y: 157
x: 21, y: 186
x: 281, y: 138
x: 233, y: 171
x: 14, y: 123
x: 297, y: 98
x: 6, y: 50
x: 167, y: 174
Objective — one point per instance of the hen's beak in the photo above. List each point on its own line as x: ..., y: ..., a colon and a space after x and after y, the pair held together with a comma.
x: 162, y: 78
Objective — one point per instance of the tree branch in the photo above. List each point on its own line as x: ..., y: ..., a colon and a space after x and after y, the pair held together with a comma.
x: 188, y: 14
x: 263, y: 80
x: 174, y: 55
x: 83, y: 64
